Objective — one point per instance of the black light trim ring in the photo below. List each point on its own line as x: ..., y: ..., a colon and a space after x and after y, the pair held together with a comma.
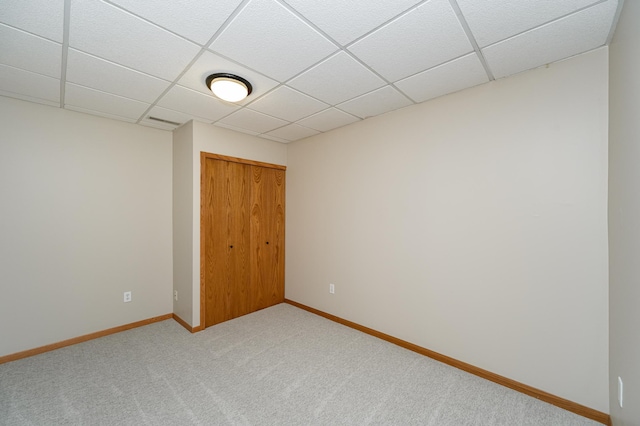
x: 232, y: 77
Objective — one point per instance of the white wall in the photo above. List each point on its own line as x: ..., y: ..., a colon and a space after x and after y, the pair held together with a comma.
x: 624, y: 215
x: 183, y: 220
x: 217, y: 140
x: 85, y: 214
x: 474, y: 225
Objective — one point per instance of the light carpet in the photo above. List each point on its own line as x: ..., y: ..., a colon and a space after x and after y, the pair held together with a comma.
x: 278, y: 366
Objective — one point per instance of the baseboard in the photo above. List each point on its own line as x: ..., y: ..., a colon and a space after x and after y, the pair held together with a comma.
x: 574, y: 407
x: 80, y: 339
x: 186, y: 324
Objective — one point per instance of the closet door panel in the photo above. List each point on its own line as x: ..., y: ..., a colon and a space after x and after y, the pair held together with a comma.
x: 226, y: 241
x: 216, y: 251
x: 237, y: 207
x: 267, y: 237
x: 277, y: 237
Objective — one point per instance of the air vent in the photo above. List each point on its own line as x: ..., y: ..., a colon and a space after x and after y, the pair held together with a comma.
x: 162, y: 120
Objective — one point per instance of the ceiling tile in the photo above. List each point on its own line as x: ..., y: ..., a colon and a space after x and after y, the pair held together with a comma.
x: 268, y: 37
x: 89, y: 71
x: 197, y: 20
x: 27, y: 84
x: 292, y: 132
x: 110, y: 33
x: 273, y: 138
x: 237, y: 129
x: 447, y: 78
x: 209, y: 63
x: 376, y: 103
x: 28, y: 98
x: 400, y: 48
x: 195, y: 103
x: 494, y: 20
x: 95, y: 100
x: 288, y: 104
x: 560, y: 39
x: 43, y: 18
x: 337, y: 79
x: 157, y: 124
x: 328, y: 119
x: 253, y: 121
x: 100, y: 113
x: 171, y: 115
x: 29, y: 52
x: 345, y: 21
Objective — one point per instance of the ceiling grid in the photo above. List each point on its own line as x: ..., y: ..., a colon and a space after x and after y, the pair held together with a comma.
x: 313, y: 66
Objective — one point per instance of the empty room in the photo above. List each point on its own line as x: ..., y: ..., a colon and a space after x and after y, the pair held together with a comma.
x: 266, y: 212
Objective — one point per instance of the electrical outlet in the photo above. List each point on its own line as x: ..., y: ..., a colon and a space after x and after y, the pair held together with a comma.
x: 175, y: 295
x: 332, y: 289
x: 127, y: 296
x: 620, y: 391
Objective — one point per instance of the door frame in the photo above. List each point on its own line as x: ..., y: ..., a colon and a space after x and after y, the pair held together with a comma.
x: 204, y: 156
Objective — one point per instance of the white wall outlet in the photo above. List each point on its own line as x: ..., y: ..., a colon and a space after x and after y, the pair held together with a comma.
x: 332, y: 288
x: 620, y: 391
x: 127, y: 296
x: 175, y: 295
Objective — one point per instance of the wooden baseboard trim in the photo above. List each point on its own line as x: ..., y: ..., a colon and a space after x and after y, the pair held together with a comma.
x: 186, y: 324
x: 574, y: 407
x: 80, y: 339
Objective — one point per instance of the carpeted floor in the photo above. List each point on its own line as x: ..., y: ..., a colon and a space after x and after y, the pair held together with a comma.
x: 278, y: 366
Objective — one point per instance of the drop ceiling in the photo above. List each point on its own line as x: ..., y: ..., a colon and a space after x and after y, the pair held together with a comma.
x: 314, y: 65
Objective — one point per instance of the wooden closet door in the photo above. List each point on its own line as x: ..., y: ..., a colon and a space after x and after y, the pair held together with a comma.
x: 267, y: 237
x: 226, y: 274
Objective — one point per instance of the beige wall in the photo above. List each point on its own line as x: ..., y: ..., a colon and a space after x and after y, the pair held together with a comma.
x: 624, y: 216
x: 206, y: 138
x: 183, y: 220
x: 85, y: 214
x: 474, y: 225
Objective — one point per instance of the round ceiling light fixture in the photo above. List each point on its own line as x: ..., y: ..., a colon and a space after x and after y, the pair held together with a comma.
x: 229, y: 87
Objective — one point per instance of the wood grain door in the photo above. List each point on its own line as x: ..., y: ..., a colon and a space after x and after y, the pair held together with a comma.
x: 242, y: 237
x: 226, y: 193
x: 267, y: 237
